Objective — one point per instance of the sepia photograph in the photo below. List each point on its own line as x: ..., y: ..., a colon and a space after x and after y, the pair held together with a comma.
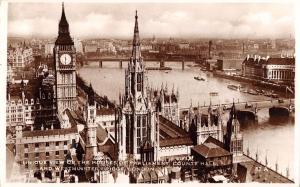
x: 152, y: 92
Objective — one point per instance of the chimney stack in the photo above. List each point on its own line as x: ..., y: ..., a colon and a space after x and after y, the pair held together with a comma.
x: 209, y: 49
x: 243, y: 48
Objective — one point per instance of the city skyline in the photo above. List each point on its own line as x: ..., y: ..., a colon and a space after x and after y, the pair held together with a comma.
x: 197, y: 20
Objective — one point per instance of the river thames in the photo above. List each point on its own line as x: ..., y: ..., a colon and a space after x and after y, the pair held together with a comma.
x: 271, y: 138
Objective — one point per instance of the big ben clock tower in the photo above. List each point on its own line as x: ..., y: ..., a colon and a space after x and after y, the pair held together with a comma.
x: 65, y: 67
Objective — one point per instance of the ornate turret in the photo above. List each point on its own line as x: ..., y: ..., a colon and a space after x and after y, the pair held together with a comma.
x: 63, y: 30
x: 199, y: 125
x: 234, y: 138
x: 91, y: 126
x: 91, y: 95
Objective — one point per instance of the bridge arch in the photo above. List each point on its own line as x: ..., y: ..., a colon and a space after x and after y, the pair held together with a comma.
x: 279, y: 111
x: 246, y: 116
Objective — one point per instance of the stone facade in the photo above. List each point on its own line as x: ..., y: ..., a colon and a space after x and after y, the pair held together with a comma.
x: 20, y: 56
x: 138, y: 124
x: 272, y: 69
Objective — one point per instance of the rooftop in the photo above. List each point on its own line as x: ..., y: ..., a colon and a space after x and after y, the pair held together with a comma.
x: 210, y: 150
x: 101, y: 134
x: 260, y: 173
x: 175, y: 142
x: 214, y: 141
x: 105, y: 111
x: 30, y: 90
x: 281, y: 61
x: 50, y: 132
x: 73, y: 119
x: 269, y: 61
x: 171, y: 134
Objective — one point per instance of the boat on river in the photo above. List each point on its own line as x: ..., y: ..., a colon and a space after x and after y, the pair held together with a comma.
x: 214, y: 93
x: 274, y: 96
x: 233, y: 87
x: 252, y: 92
x: 198, y: 78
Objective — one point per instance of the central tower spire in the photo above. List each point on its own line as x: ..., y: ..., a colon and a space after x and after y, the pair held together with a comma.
x: 138, y: 126
x: 136, y: 50
x: 136, y: 38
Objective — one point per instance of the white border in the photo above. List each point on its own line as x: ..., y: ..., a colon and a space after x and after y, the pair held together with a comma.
x: 3, y: 67
x: 3, y: 61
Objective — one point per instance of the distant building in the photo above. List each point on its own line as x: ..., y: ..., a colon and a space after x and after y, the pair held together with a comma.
x: 78, y: 45
x: 273, y: 44
x: 91, y: 49
x: 106, y: 48
x: 214, y: 64
x: 184, y: 45
x: 20, y: 56
x: 49, y: 48
x: 146, y: 47
x: 272, y: 69
x: 168, y: 47
x: 38, y: 48
x: 10, y: 73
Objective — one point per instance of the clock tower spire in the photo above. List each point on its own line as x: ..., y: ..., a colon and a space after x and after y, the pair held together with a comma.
x: 65, y: 67
x: 63, y: 30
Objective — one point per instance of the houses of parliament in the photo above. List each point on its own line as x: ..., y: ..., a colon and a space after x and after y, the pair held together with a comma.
x: 53, y: 121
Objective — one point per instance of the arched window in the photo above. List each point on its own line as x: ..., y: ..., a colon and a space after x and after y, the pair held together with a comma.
x: 139, y: 82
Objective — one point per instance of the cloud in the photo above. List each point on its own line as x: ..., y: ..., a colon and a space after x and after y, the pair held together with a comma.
x: 37, y: 26
x: 262, y: 18
x: 163, y: 20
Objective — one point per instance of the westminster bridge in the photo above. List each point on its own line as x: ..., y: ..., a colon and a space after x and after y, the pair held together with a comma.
x: 249, y: 109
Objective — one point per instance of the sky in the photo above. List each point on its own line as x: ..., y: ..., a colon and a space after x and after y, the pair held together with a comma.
x: 178, y: 20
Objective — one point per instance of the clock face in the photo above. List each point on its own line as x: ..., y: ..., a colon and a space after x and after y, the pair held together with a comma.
x: 65, y: 59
